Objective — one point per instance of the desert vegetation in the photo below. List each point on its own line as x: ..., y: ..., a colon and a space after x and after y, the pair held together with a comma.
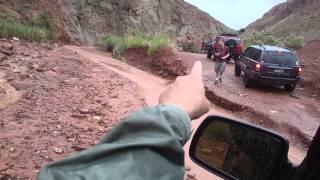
x: 119, y: 44
x: 293, y: 42
x: 39, y: 28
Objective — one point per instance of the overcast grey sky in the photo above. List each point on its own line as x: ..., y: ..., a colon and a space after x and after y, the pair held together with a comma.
x: 236, y: 14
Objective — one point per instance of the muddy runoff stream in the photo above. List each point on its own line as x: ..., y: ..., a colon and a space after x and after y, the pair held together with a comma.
x: 150, y: 88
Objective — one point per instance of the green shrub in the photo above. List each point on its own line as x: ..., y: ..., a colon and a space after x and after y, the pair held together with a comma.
x: 159, y: 42
x: 40, y: 29
x: 119, y: 44
x: 259, y: 38
x: 6, y: 14
x: 120, y: 48
x: 22, y: 31
x: 44, y: 20
x: 294, y: 42
x: 136, y: 41
x: 109, y: 42
x: 136, y: 33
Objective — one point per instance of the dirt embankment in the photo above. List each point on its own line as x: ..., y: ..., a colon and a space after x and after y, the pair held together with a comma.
x: 54, y: 102
x: 310, y: 59
x: 164, y: 62
x: 258, y: 118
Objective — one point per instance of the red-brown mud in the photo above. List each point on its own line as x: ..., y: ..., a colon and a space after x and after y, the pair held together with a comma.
x: 310, y: 61
x: 53, y: 103
x: 164, y: 62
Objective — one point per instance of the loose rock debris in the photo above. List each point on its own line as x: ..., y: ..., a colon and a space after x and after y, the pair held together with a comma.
x: 53, y: 103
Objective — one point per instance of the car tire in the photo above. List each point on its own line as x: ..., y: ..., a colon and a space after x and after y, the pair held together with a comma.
x: 237, y: 70
x: 290, y: 87
x: 247, y: 81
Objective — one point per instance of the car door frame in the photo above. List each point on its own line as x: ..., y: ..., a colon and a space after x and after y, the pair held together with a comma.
x: 244, y: 60
x: 206, y: 46
x: 247, y: 62
x: 254, y: 61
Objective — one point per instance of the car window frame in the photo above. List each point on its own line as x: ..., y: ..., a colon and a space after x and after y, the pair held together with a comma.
x: 296, y: 56
x: 245, y: 53
x: 256, y: 56
x: 248, y: 52
x: 206, y: 37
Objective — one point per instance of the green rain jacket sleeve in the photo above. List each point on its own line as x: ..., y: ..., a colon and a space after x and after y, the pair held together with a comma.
x: 147, y: 145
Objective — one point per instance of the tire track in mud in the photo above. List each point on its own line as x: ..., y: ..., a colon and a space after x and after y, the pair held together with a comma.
x: 258, y: 118
x: 289, y: 121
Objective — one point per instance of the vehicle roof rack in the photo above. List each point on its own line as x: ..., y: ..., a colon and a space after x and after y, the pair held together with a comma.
x: 288, y: 48
x: 229, y: 34
x: 261, y: 45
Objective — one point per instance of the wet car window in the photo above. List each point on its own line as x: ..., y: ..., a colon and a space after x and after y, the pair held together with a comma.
x: 242, y: 153
x: 280, y: 58
x: 256, y: 55
x: 249, y: 52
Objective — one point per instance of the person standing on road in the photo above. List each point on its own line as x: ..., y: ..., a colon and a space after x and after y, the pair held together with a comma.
x: 221, y: 53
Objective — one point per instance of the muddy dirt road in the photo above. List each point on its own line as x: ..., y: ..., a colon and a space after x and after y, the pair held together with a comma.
x: 152, y: 86
x: 55, y: 101
x: 296, y: 115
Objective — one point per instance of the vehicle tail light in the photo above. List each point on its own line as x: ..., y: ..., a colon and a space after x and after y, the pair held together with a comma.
x: 238, y: 49
x: 258, y: 67
x: 299, y: 70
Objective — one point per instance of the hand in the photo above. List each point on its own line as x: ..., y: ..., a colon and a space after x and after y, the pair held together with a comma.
x: 225, y: 57
x: 187, y: 92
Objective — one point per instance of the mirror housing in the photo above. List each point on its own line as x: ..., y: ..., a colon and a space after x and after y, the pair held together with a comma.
x: 235, y: 150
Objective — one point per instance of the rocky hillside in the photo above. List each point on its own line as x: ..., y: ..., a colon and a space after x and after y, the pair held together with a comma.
x: 296, y: 17
x: 310, y: 59
x: 85, y: 20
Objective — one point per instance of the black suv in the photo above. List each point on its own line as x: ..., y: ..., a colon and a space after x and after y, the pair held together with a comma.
x: 270, y: 65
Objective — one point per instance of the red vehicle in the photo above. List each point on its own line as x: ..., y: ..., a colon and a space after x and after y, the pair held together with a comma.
x: 231, y: 40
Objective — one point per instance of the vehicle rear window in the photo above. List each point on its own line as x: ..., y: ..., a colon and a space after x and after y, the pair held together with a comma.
x: 280, y: 58
x: 236, y: 40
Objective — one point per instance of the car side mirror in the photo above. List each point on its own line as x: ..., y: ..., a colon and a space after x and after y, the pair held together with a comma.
x: 238, y: 151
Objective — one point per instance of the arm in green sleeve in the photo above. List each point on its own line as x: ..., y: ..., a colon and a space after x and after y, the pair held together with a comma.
x: 146, y: 145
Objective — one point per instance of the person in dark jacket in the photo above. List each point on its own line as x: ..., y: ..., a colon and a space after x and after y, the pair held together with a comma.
x: 148, y: 144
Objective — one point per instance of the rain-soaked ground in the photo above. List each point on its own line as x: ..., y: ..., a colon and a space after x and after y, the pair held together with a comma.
x: 60, y: 100
x: 152, y: 86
